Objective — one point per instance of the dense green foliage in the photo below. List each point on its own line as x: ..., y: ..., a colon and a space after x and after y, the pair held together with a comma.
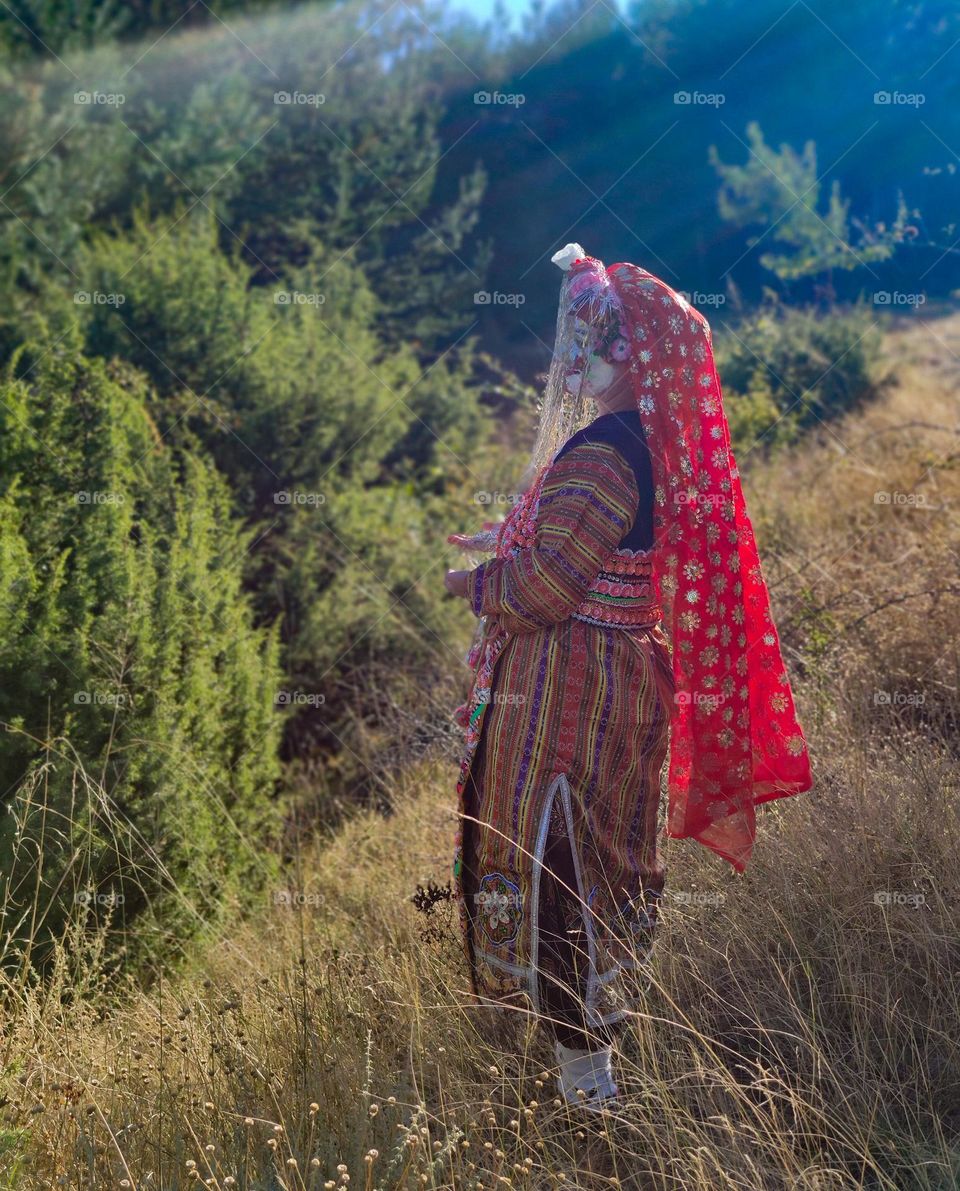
x: 42, y: 27
x: 274, y: 426
x: 134, y: 685
x: 788, y: 369
x: 337, y: 447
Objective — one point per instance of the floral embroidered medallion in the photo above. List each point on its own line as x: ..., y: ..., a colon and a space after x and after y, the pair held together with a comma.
x: 499, y: 908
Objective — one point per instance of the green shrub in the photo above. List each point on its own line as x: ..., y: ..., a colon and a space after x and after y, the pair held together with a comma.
x: 339, y: 451
x: 787, y: 369
x: 138, y: 697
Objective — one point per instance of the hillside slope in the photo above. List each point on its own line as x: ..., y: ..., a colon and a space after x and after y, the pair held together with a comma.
x: 804, y: 1027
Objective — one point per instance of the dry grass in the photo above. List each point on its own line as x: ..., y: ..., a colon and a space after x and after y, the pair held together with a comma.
x: 804, y: 1026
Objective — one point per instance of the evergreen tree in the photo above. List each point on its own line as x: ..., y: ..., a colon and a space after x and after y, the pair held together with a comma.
x: 340, y: 451
x: 140, y: 752
x: 780, y: 192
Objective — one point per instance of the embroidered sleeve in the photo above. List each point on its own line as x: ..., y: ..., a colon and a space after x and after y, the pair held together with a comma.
x: 588, y: 502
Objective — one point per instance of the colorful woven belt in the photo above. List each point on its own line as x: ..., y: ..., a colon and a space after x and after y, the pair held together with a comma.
x: 622, y: 595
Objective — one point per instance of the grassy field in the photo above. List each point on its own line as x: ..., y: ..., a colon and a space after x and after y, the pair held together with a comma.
x: 803, y: 1030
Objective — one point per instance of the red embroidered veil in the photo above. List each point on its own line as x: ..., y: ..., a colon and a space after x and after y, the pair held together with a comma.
x: 735, y: 741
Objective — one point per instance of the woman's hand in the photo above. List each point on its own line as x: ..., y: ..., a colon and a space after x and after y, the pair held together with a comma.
x: 485, y: 539
x: 456, y: 582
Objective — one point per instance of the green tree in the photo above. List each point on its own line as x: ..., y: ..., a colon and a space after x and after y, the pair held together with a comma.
x: 49, y: 27
x: 341, y: 452
x: 138, y: 697
x: 780, y: 191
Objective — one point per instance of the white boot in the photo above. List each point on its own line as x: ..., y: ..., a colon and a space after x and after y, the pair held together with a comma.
x: 590, y: 1070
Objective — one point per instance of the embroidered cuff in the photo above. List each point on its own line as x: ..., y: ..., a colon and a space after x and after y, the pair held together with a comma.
x: 475, y: 589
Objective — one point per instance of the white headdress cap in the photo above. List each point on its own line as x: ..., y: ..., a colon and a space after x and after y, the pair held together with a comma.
x: 567, y: 255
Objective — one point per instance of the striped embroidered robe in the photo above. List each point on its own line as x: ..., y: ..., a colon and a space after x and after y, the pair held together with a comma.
x: 572, y: 737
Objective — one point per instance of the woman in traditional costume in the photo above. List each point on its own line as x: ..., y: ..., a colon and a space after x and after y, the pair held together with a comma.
x: 624, y: 609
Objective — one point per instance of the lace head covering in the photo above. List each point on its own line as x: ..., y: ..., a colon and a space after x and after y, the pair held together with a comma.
x: 589, y: 320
